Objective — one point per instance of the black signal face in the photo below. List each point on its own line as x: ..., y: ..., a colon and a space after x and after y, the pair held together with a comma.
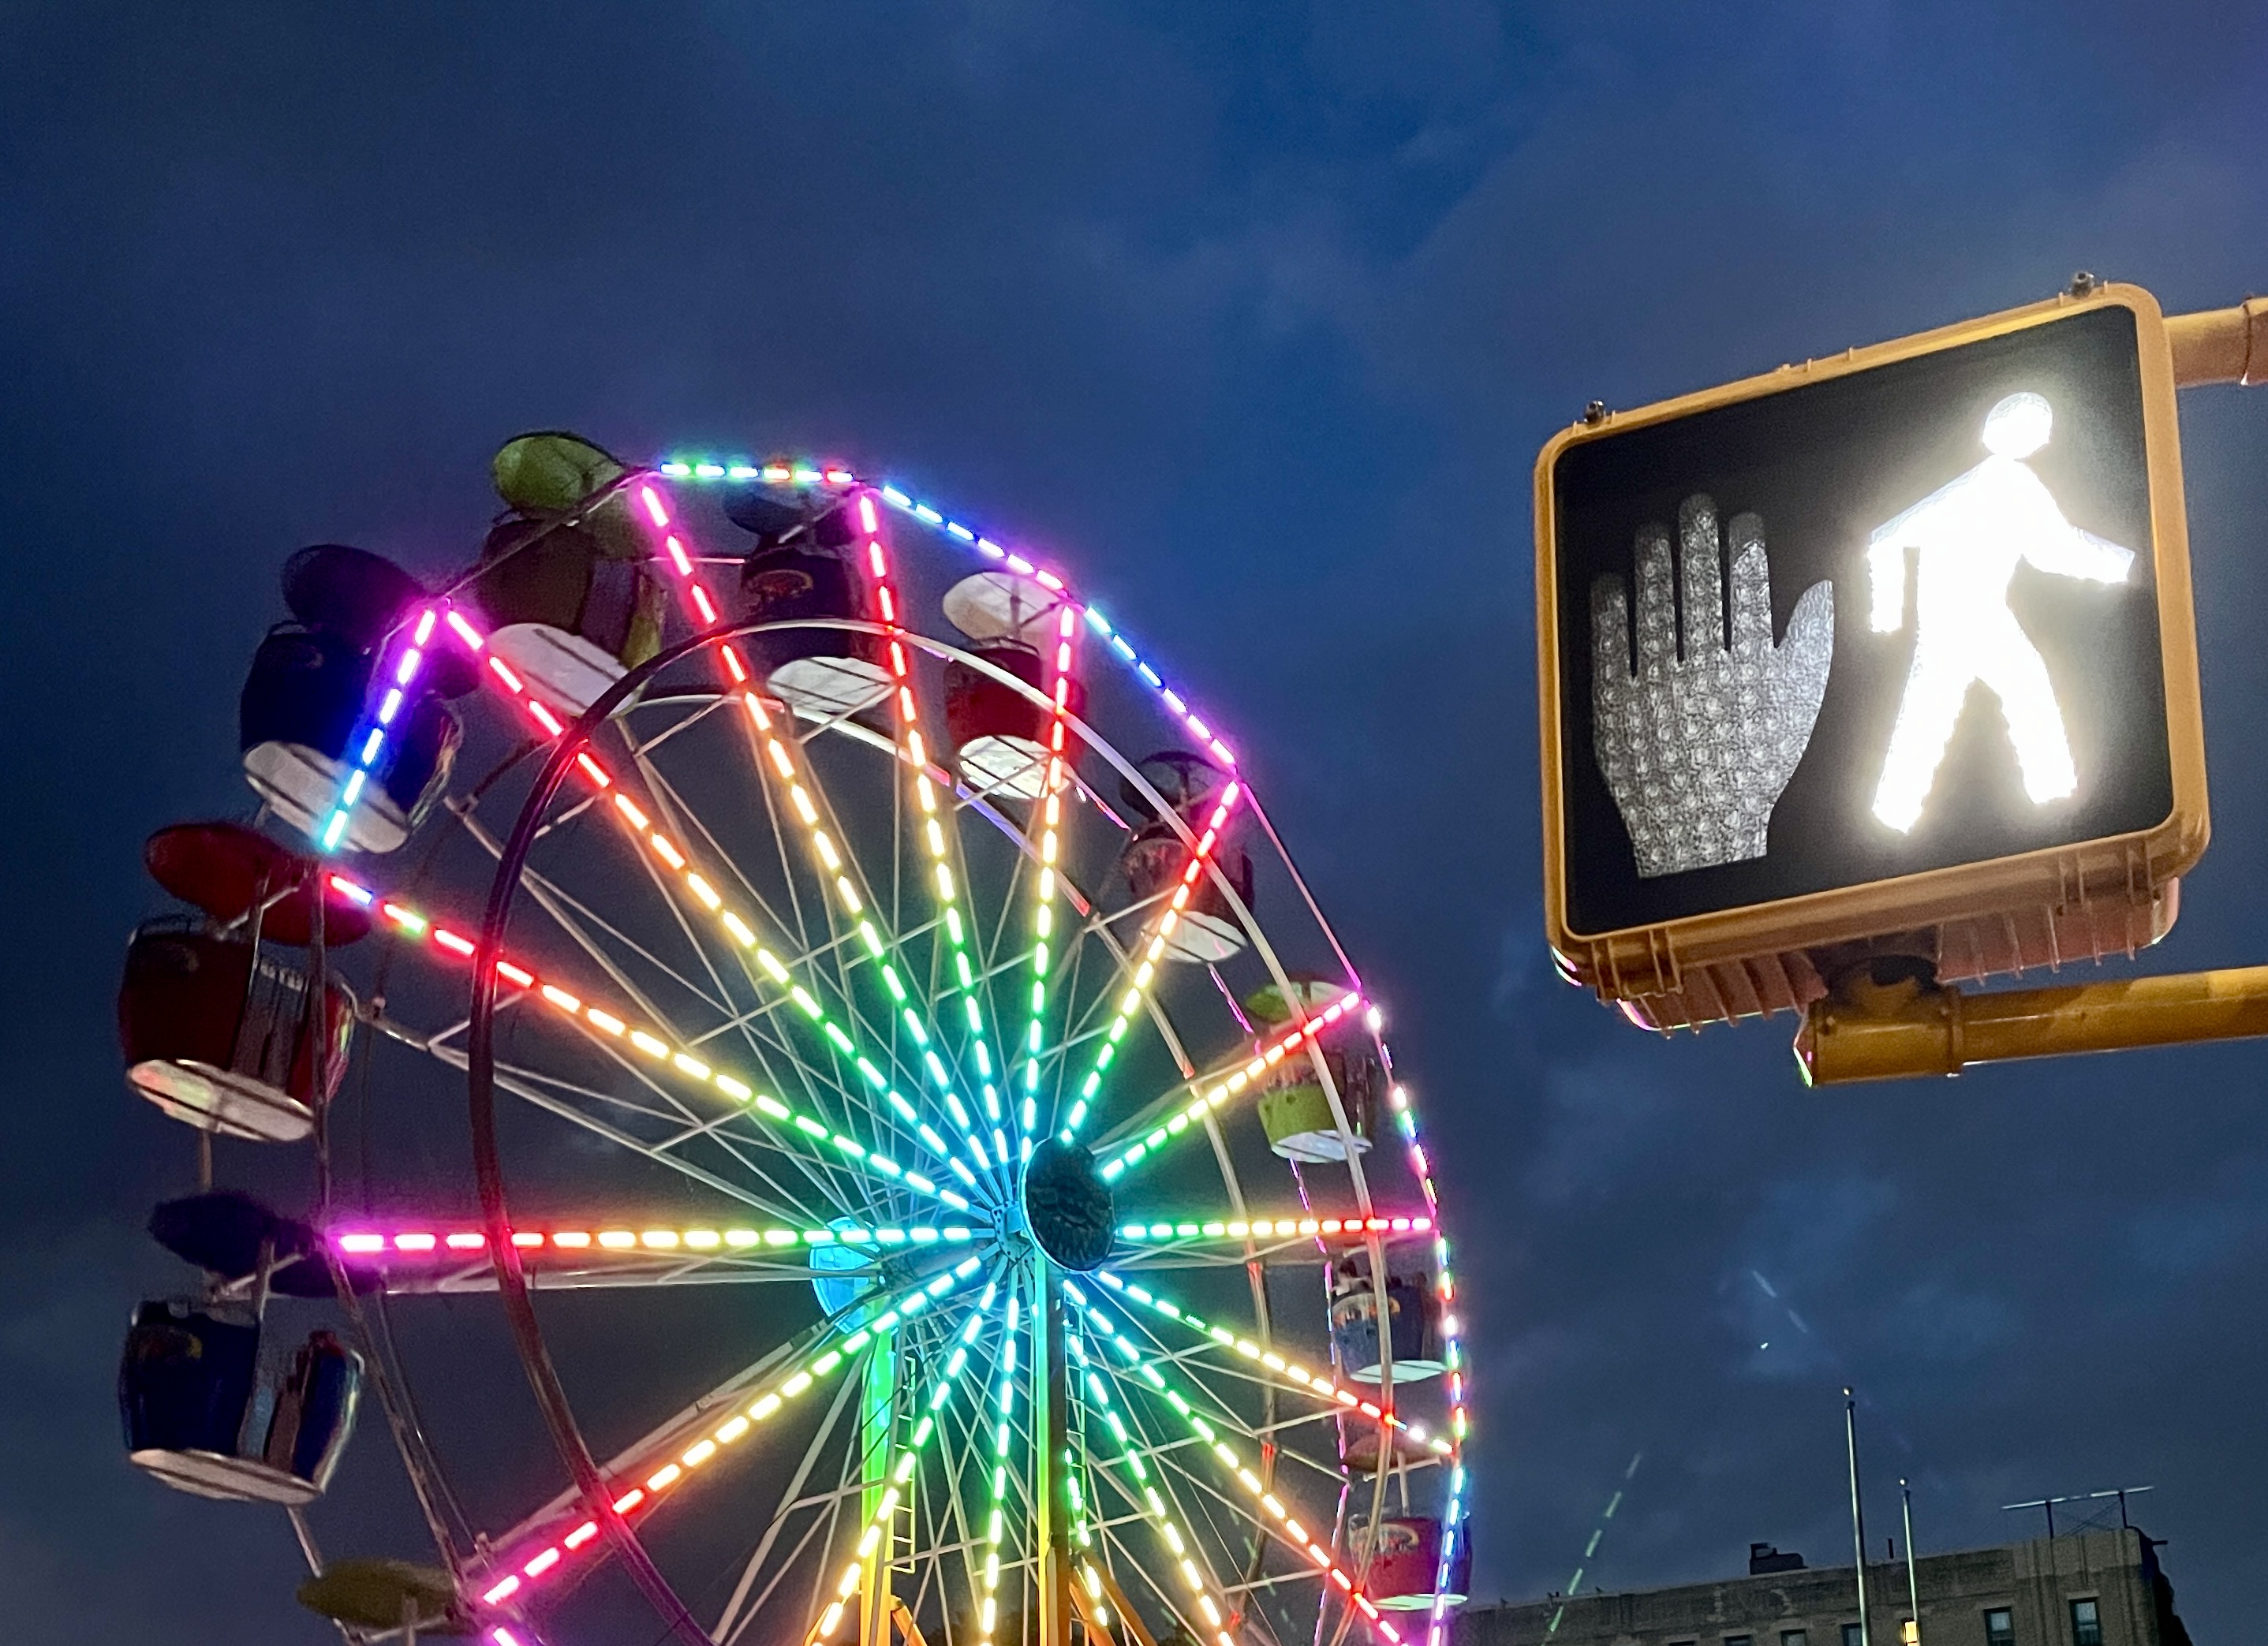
x: 1898, y: 619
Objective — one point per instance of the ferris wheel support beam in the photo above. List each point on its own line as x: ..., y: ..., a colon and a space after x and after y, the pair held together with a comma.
x: 1050, y: 1425
x: 878, y: 1415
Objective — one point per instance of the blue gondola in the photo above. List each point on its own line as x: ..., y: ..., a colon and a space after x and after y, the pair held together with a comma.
x: 200, y: 1417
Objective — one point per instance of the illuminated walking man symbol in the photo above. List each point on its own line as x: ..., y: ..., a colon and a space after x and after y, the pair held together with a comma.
x: 1970, y: 533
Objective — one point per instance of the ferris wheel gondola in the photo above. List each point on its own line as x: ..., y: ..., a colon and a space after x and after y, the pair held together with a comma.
x: 842, y: 934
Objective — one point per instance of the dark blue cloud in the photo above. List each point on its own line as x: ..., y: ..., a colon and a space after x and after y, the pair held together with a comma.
x: 1260, y: 314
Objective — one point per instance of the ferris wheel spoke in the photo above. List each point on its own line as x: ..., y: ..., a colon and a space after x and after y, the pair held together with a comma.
x: 838, y: 869
x: 861, y: 1098
x: 826, y: 1154
x: 947, y: 874
x: 682, y: 823
x: 931, y: 1397
x: 963, y: 1447
x: 1236, y: 1527
x: 885, y: 955
x: 822, y: 1153
x: 1212, y: 1091
x: 1046, y: 827
x: 533, y: 1091
x: 1132, y: 987
x: 708, y: 706
x: 1002, y: 1419
x: 711, y: 1435
x: 790, y: 1503
x: 434, y: 1257
x: 804, y: 959
x: 1260, y: 1363
x: 1172, y: 1393
x: 822, y: 1170
x: 627, y: 813
x: 584, y: 926
x: 1143, y: 1485
x: 1184, y: 1231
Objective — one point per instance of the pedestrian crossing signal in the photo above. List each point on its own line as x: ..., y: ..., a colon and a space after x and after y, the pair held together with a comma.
x: 1888, y: 654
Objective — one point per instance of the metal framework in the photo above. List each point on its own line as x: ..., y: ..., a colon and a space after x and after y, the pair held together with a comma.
x: 798, y: 1003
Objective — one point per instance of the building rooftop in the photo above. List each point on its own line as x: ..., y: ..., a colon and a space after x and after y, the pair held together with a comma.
x: 2089, y: 1588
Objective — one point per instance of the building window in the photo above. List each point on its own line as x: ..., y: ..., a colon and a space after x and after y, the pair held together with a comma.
x: 1851, y: 1635
x: 1739, y: 1640
x: 1999, y: 1628
x: 2086, y: 1623
x: 1794, y: 1637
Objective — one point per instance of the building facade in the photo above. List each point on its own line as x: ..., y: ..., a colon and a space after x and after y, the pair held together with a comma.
x: 2082, y: 1589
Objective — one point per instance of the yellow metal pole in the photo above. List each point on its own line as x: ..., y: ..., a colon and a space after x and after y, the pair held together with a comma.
x: 2221, y: 345
x: 1894, y: 1032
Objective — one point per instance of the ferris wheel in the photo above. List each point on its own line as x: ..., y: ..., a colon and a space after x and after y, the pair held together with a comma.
x: 940, y: 1176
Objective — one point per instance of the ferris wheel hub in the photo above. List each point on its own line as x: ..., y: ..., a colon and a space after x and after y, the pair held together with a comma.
x: 1067, y: 1206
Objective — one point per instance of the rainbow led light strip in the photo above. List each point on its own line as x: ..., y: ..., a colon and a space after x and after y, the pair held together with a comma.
x: 833, y: 475
x: 1146, y: 968
x: 1131, y: 1459
x: 1047, y: 813
x: 1314, y: 1382
x: 1130, y: 1001
x: 828, y: 1357
x: 1183, y: 1229
x: 370, y: 738
x: 914, y: 751
x: 1320, y: 1553
x: 430, y: 1242
x: 1270, y: 1055
x: 996, y: 1522
x: 656, y: 1049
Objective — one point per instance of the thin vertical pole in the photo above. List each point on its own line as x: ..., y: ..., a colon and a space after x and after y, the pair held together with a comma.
x: 1050, y: 1425
x: 878, y: 1416
x: 1913, y: 1584
x: 1858, y: 1518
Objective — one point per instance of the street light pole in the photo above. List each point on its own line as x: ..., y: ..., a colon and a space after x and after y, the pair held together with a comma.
x: 1913, y: 1586
x: 1858, y: 1518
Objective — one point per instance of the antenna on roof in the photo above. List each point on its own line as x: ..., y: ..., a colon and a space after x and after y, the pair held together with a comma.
x: 2047, y: 1503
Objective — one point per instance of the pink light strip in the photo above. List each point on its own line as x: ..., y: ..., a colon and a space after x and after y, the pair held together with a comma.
x: 1268, y: 1228
x: 593, y: 1242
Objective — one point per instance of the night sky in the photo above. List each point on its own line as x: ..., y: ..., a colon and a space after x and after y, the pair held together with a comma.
x: 1259, y: 314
